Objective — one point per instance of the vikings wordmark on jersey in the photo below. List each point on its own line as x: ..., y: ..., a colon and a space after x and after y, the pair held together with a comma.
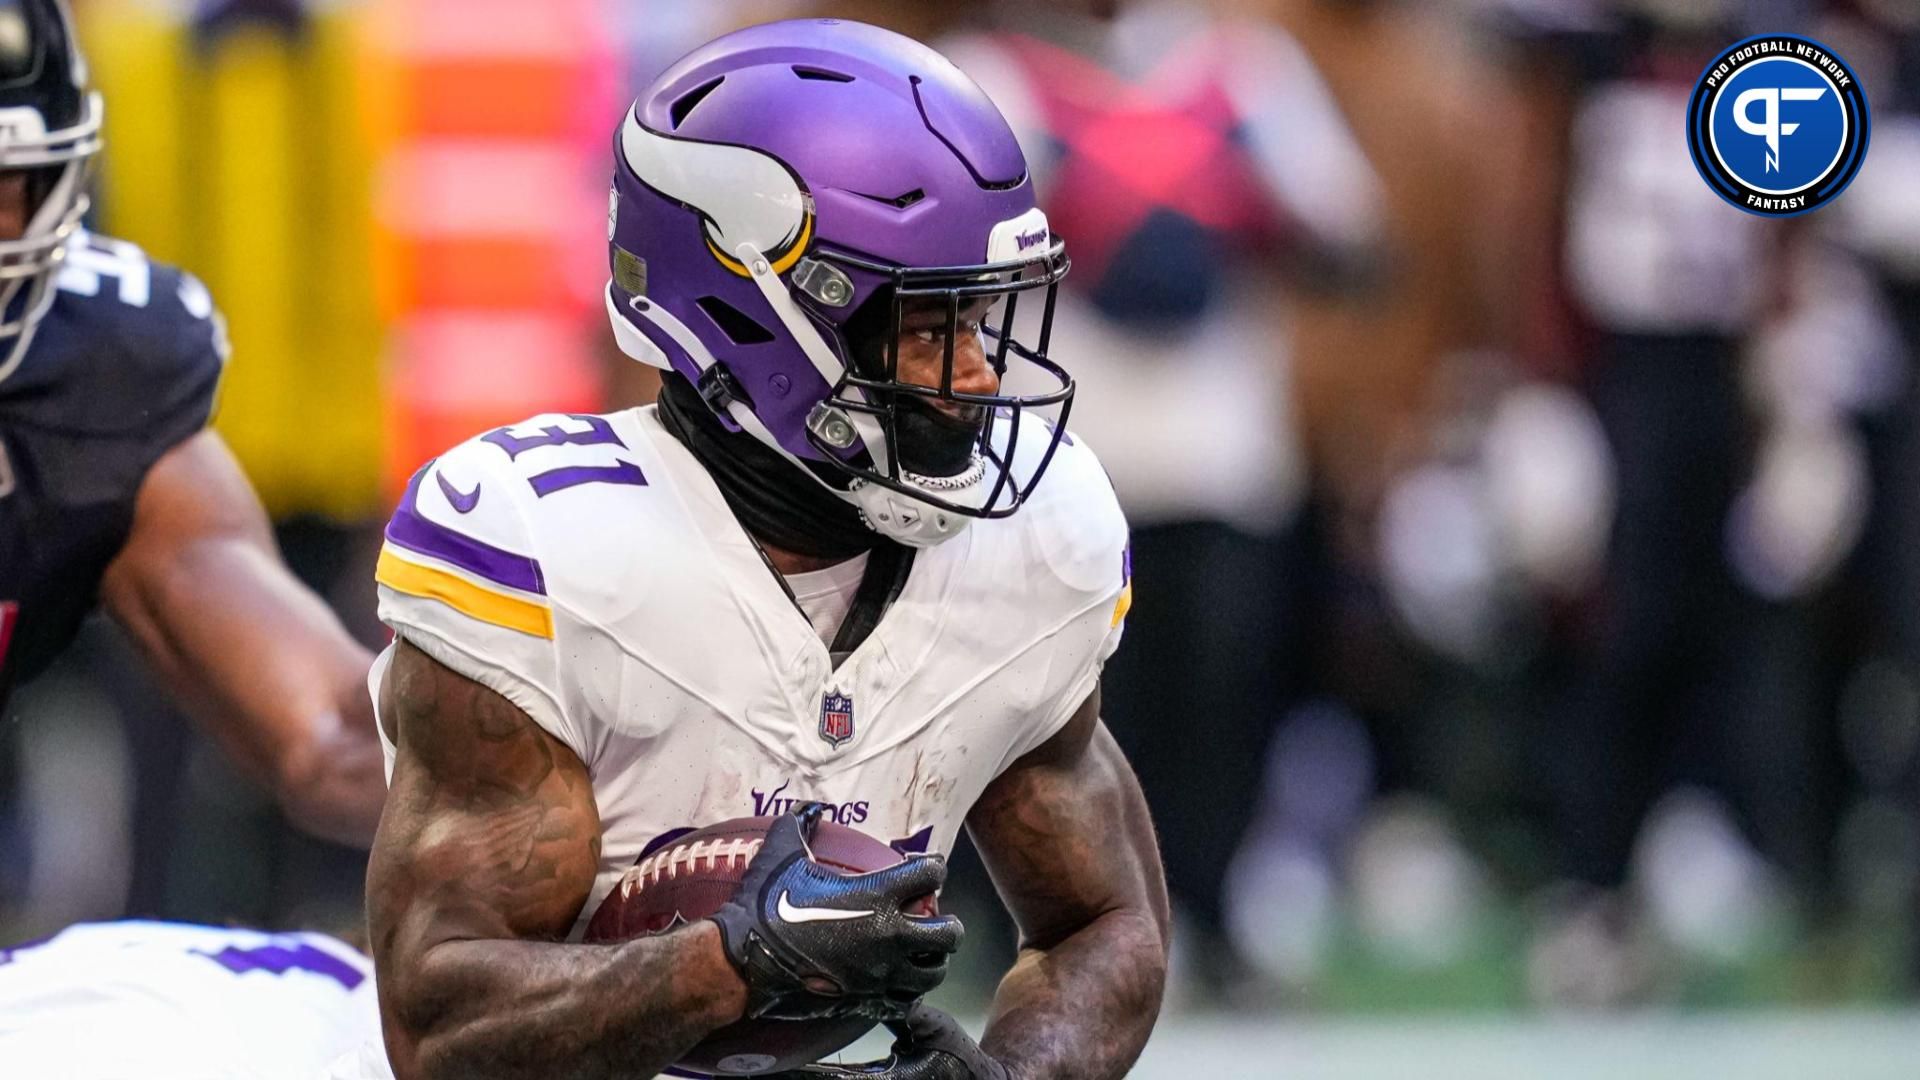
x: 588, y: 569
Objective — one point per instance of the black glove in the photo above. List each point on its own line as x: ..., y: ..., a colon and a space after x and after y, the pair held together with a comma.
x: 810, y: 942
x: 928, y: 1045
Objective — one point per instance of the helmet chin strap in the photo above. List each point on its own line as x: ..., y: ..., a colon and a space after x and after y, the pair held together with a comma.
x: 802, y: 330
x: 905, y: 519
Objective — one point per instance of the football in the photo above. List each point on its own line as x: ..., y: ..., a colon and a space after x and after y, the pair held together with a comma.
x: 689, y: 878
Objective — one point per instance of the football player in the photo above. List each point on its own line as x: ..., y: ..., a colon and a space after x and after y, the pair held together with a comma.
x: 178, y: 1002
x: 838, y: 564
x: 113, y: 491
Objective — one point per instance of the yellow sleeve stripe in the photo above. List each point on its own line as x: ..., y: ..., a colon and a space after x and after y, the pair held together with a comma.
x: 1122, y: 605
x: 432, y: 583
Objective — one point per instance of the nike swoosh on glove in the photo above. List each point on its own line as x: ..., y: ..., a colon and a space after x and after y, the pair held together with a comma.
x: 811, y: 942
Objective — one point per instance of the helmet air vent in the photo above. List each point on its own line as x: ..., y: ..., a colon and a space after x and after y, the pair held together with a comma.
x: 692, y: 98
x: 820, y: 74
x: 736, y: 324
x: 944, y: 118
x: 898, y: 202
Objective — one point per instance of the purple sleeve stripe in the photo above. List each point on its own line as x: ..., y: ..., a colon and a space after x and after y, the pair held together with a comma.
x: 411, y: 530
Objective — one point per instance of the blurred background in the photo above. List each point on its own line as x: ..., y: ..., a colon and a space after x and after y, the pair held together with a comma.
x: 1525, y: 663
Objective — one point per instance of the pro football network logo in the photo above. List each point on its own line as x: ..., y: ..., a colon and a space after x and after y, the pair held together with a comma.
x: 836, y: 719
x: 1778, y: 125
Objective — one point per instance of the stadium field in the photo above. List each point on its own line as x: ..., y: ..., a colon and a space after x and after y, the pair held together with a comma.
x: 1761, y: 1045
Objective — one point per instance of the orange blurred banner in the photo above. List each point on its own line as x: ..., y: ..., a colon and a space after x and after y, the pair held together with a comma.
x: 399, y: 205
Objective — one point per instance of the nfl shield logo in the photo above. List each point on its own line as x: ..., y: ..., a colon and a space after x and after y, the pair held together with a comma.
x: 836, y: 718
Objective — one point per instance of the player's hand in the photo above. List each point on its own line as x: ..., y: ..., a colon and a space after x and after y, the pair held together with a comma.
x: 810, y: 942
x: 928, y: 1045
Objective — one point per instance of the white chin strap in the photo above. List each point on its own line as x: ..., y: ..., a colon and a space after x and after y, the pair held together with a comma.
x: 903, y: 518
x: 915, y: 522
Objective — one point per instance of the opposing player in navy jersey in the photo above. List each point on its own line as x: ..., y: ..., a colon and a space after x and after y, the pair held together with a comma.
x: 113, y: 491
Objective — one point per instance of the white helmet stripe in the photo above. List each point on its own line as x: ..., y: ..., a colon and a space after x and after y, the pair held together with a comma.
x: 635, y: 344
x: 802, y: 330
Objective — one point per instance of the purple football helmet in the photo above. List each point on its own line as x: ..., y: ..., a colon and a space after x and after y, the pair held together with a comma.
x: 789, y: 181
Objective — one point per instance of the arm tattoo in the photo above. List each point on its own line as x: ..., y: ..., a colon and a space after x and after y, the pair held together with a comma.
x: 1066, y: 836
x: 485, y: 854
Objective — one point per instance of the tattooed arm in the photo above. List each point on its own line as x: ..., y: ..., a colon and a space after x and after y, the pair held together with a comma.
x: 485, y: 854
x: 1066, y: 836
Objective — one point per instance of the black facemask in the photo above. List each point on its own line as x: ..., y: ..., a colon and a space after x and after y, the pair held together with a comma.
x: 765, y: 491
x: 929, y: 442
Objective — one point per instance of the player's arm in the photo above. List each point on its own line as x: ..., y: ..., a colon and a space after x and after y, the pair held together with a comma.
x: 256, y: 657
x: 1066, y: 835
x: 485, y: 855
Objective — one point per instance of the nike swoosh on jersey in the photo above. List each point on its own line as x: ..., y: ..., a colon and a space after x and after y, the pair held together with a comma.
x: 462, y: 504
x: 789, y: 913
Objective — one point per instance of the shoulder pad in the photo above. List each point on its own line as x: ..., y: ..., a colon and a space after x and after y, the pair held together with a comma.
x: 494, y: 551
x: 1075, y: 520
x: 128, y: 345
x: 460, y: 537
x: 484, y: 512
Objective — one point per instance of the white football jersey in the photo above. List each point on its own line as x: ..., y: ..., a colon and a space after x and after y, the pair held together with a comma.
x: 125, y: 1000
x: 588, y: 569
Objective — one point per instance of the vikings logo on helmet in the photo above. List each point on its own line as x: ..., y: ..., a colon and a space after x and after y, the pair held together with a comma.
x: 836, y: 719
x: 743, y: 195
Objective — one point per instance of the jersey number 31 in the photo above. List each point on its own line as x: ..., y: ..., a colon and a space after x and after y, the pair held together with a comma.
x: 596, y: 431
